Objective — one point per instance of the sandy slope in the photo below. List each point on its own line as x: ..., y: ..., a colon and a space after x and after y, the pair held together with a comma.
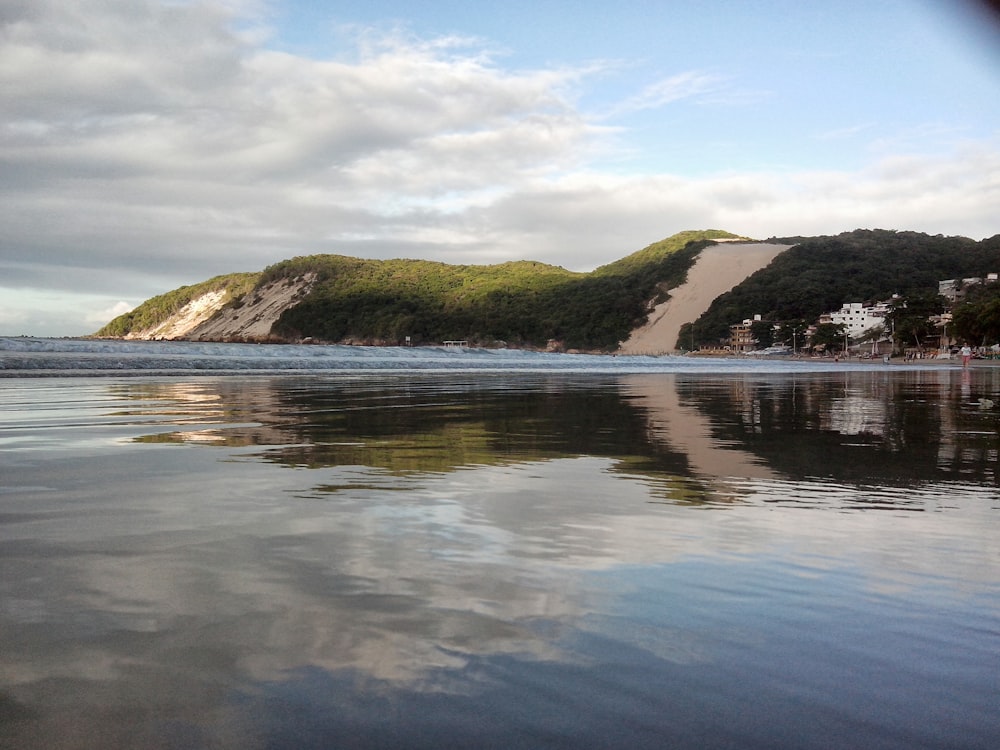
x: 203, y: 319
x: 685, y: 429
x: 192, y: 314
x: 717, y: 269
x: 259, y: 311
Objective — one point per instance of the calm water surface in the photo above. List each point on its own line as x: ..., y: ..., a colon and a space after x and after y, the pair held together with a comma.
x: 798, y: 560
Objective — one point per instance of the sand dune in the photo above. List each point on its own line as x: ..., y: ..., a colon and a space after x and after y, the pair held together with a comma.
x: 204, y: 319
x: 256, y: 316
x: 717, y: 269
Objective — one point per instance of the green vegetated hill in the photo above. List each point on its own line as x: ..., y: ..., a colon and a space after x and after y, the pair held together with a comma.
x: 820, y: 274
x: 520, y: 303
x: 526, y: 303
x: 156, y: 310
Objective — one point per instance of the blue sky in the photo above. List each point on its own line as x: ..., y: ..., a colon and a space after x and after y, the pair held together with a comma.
x: 146, y: 144
x: 808, y: 85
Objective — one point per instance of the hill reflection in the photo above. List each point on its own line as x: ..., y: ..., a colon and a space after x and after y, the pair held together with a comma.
x: 688, y: 436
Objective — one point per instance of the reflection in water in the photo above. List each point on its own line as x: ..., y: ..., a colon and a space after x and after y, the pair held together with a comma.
x: 639, y: 561
x: 851, y: 426
x: 879, y: 427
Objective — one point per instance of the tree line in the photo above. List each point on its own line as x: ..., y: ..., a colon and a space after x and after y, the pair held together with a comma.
x: 526, y: 303
x: 521, y: 303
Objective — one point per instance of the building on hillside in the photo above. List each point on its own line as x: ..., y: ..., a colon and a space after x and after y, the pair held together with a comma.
x: 954, y: 289
x: 857, y: 318
x: 741, y: 337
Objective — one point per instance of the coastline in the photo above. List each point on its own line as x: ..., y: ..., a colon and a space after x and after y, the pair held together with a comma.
x: 894, y: 361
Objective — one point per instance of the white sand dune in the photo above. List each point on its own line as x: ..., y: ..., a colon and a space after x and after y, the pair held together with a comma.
x: 258, y: 313
x: 203, y: 318
x: 194, y: 313
x: 717, y: 269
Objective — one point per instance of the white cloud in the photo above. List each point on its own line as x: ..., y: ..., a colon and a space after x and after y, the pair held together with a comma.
x: 139, y: 144
x: 671, y: 89
x: 841, y: 133
x: 100, y: 317
x: 585, y: 219
x: 146, y: 144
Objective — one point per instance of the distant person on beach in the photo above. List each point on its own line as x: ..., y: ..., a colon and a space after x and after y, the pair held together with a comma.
x: 966, y: 353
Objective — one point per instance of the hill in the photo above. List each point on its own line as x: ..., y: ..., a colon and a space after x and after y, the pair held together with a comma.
x: 819, y: 274
x: 640, y: 300
x: 342, y: 299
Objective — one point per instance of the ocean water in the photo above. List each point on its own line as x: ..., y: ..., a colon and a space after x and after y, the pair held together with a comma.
x: 26, y: 357
x: 285, y: 547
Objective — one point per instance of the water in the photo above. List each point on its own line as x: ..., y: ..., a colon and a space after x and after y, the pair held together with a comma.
x: 24, y: 357
x: 628, y: 554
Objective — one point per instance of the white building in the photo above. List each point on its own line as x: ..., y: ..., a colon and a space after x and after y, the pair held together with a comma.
x: 857, y: 318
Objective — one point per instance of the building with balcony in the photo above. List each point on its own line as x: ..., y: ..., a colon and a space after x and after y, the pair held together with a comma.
x: 741, y: 337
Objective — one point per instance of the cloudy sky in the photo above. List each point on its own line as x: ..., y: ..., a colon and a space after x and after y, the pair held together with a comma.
x: 146, y: 144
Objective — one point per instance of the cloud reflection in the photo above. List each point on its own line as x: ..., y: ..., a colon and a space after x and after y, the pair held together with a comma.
x: 324, y: 526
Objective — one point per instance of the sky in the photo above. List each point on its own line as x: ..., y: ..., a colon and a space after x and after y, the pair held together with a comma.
x: 147, y: 144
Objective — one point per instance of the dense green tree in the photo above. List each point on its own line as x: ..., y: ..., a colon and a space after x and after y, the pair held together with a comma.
x: 909, y: 318
x: 792, y: 333
x: 763, y: 333
x: 686, y: 339
x: 829, y: 335
x: 976, y: 318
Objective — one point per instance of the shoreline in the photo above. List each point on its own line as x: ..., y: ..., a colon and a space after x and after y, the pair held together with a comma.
x: 932, y: 361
